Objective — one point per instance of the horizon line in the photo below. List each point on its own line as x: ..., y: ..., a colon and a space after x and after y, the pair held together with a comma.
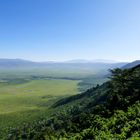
x: 72, y: 60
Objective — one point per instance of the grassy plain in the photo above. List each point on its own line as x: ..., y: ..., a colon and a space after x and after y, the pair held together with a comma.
x: 27, y: 94
x: 28, y: 101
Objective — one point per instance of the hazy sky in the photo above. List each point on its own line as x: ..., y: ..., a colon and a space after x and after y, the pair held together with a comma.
x: 44, y: 30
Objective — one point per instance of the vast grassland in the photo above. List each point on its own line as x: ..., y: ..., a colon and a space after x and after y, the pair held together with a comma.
x: 26, y: 95
x: 26, y: 102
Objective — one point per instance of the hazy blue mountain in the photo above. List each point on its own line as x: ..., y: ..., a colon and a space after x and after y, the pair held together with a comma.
x: 77, y: 61
x: 10, y: 63
x: 91, y: 61
x: 76, y: 65
x: 20, y: 63
x: 132, y: 64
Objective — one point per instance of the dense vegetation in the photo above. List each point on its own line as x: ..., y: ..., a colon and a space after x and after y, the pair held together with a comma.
x: 109, y: 111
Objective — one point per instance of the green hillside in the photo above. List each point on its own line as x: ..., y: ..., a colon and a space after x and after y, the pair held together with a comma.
x: 109, y: 111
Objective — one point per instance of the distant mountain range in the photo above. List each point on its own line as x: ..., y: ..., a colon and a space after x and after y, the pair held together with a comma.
x: 130, y: 65
x: 11, y: 63
x: 71, y: 65
x: 91, y: 61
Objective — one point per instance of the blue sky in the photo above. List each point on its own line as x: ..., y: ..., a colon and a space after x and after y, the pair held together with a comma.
x: 43, y: 30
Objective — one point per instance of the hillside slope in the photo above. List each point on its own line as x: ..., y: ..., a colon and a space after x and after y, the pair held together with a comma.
x: 109, y: 111
x: 131, y: 65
